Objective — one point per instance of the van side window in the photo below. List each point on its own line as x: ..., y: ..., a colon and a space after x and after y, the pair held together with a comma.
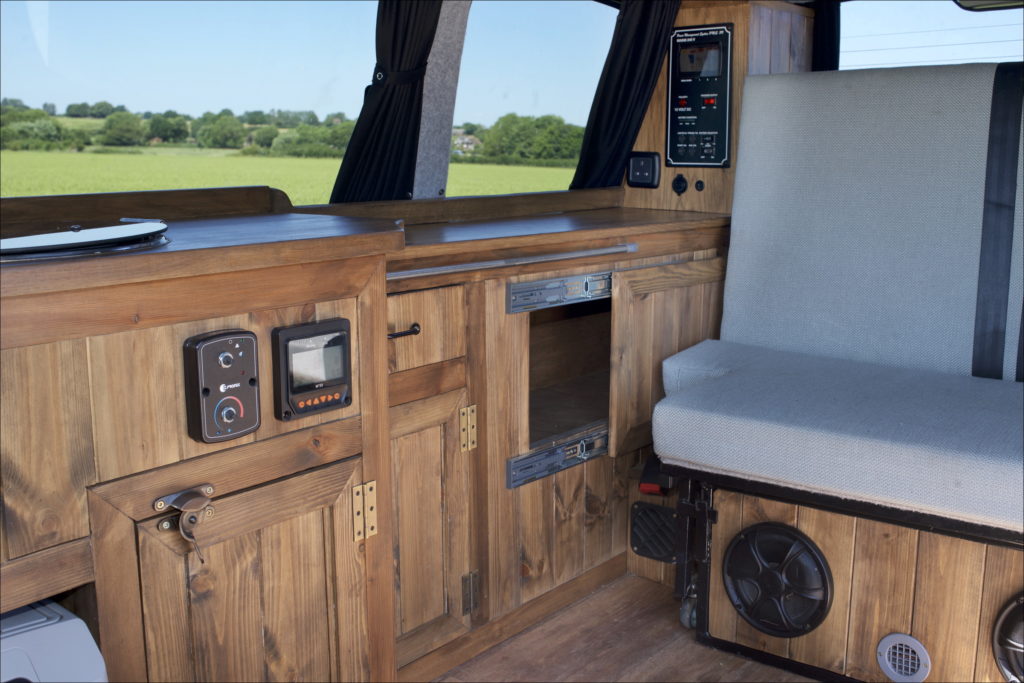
x: 887, y: 33
x: 527, y: 79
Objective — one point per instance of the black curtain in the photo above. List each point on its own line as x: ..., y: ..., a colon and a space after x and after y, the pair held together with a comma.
x: 380, y: 162
x: 630, y: 72
x: 825, y: 50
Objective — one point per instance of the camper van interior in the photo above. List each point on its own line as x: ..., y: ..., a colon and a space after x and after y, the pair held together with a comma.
x: 743, y: 403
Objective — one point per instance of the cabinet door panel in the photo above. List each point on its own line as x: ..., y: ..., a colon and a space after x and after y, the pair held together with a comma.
x: 432, y: 509
x: 277, y: 595
x: 656, y: 312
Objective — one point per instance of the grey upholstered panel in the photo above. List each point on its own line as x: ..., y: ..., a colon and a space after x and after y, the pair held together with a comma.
x: 1016, y: 300
x: 926, y: 441
x: 857, y: 214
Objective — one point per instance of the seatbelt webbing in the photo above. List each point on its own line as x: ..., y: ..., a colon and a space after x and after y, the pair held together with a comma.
x: 997, y: 222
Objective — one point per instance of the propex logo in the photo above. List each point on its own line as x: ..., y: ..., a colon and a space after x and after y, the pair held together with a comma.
x: 225, y: 387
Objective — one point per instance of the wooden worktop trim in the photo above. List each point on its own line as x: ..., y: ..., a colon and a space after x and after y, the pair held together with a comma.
x: 452, y: 209
x: 45, y: 573
x: 42, y: 318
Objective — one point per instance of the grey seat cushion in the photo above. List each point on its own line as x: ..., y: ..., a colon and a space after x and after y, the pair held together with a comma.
x: 931, y: 442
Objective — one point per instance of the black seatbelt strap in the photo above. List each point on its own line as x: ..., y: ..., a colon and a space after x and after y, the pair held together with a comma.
x: 997, y: 222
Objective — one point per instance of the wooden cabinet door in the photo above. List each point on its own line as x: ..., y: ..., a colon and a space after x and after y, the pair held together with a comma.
x: 278, y: 595
x: 432, y: 512
x: 656, y: 312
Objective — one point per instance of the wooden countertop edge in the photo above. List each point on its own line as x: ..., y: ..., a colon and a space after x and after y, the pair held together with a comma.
x: 104, y: 271
x: 45, y: 573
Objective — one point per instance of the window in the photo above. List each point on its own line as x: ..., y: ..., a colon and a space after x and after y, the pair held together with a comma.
x: 144, y: 95
x: 527, y: 79
x: 893, y: 33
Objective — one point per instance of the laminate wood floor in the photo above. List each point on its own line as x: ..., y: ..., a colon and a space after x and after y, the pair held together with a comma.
x: 626, y: 631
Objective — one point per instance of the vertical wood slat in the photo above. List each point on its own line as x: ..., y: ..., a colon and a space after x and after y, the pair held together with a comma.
x: 947, y: 603
x: 226, y: 602
x: 782, y: 27
x: 44, y: 391
x: 507, y: 436
x: 459, y: 513
x: 347, y: 593
x: 419, y: 513
x: 166, y: 612
x: 722, y: 616
x: 536, y: 537
x: 568, y: 518
x: 294, y: 598
x: 759, y: 60
x: 118, y: 591
x: 834, y: 534
x: 376, y: 464
x: 756, y: 510
x: 882, y: 594
x: 1004, y: 580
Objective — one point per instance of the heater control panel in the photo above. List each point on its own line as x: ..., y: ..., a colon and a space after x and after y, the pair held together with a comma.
x: 222, y: 392
x: 700, y: 65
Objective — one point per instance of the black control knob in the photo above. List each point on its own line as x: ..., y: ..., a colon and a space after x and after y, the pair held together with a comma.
x: 225, y: 359
x: 228, y: 414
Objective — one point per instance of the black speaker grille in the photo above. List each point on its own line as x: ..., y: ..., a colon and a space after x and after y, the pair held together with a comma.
x: 653, y: 531
x: 777, y: 579
x: 1008, y: 640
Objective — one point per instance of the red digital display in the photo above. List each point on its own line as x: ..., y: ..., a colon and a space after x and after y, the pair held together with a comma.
x: 710, y: 101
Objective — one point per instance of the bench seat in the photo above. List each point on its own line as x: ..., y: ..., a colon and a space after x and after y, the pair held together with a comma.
x: 930, y: 442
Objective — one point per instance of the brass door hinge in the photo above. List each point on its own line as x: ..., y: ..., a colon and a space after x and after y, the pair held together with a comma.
x: 467, y: 428
x: 364, y: 510
x: 470, y: 592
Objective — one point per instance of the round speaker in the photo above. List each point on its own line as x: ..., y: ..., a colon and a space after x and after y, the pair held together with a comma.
x: 1008, y: 640
x: 777, y: 579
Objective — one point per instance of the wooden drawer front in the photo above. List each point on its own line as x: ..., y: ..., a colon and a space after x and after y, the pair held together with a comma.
x: 441, y: 315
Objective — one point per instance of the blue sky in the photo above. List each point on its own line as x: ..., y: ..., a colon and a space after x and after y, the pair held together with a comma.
x: 530, y: 57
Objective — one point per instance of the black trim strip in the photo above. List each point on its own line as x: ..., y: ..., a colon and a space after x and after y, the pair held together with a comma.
x: 882, y: 513
x: 1020, y: 348
x: 997, y: 222
x: 813, y: 672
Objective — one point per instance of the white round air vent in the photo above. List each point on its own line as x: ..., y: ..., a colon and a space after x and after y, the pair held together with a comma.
x: 903, y: 658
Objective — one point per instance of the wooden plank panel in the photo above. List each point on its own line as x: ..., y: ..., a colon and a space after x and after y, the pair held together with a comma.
x: 414, y: 417
x: 1004, y: 580
x: 350, y: 627
x: 759, y: 60
x: 118, y: 591
x: 155, y: 409
x: 567, y: 556
x: 507, y: 436
x: 426, y: 381
x: 294, y: 599
x: 721, y: 614
x: 459, y: 514
x: 800, y: 41
x: 782, y: 26
x: 881, y: 599
x: 166, y: 612
x: 598, y: 506
x: 756, y: 510
x: 237, y: 468
x: 227, y: 626
x: 631, y: 365
x: 441, y: 314
x: 376, y: 461
x: 825, y: 646
x: 711, y: 319
x: 420, y: 515
x: 42, y: 318
x: 45, y: 573
x: 46, y: 449
x: 947, y: 603
x: 536, y: 537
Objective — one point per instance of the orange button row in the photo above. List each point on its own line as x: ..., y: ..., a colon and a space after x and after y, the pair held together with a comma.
x: 321, y: 399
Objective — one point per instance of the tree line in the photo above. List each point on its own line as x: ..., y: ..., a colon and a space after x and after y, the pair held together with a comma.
x: 513, y: 139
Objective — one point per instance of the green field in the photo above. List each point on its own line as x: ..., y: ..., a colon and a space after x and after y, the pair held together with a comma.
x: 306, y: 181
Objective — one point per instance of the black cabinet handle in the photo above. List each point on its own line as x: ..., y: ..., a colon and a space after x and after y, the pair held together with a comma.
x: 413, y: 329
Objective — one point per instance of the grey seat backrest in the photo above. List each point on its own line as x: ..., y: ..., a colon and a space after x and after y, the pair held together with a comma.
x: 857, y: 219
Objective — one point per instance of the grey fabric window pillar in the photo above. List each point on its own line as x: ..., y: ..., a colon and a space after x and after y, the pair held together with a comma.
x: 440, y: 84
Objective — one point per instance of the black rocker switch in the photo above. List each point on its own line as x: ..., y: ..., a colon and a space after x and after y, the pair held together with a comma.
x: 644, y: 169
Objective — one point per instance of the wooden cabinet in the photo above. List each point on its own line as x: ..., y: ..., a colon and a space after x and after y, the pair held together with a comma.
x: 433, y: 517
x: 275, y: 590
